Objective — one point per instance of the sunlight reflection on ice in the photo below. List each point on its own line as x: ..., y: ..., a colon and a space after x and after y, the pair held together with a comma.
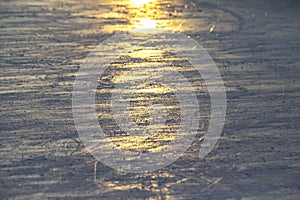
x: 139, y: 3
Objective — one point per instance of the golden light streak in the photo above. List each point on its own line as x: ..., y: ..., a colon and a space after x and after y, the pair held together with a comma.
x: 144, y: 23
x: 139, y: 3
